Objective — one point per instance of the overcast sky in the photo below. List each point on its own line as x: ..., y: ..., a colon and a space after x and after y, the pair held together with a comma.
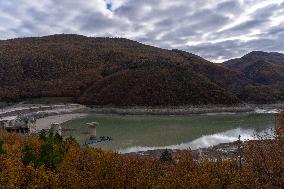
x: 214, y: 29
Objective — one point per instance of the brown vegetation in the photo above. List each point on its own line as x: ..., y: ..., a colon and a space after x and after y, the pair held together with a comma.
x: 265, y: 69
x: 49, y: 162
x: 116, y: 71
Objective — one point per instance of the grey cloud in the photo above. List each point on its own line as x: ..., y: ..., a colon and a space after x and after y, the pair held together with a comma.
x: 248, y: 25
x: 266, y: 12
x: 208, y: 20
x: 232, y: 7
x: 94, y: 22
x: 215, y: 51
x: 165, y: 22
x: 234, y: 48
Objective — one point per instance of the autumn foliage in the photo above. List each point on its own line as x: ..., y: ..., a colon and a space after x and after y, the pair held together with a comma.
x: 51, y: 162
x: 121, y: 72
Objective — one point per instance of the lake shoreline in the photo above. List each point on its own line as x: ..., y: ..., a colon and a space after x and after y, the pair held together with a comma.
x: 223, y: 149
x: 167, y: 110
x: 189, y: 110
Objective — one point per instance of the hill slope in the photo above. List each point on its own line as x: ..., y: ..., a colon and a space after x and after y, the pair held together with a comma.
x: 116, y: 71
x: 265, y: 69
x: 271, y: 57
x: 164, y: 84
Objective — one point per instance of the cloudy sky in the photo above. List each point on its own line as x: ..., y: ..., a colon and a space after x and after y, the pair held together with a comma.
x: 215, y: 29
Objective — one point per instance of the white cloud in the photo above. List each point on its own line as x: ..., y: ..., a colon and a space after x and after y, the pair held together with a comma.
x: 216, y: 30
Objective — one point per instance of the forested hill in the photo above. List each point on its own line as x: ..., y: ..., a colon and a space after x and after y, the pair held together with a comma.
x: 266, y: 69
x: 115, y: 71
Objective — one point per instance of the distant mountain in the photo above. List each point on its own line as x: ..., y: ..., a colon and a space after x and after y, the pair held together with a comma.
x: 260, y: 67
x: 265, y: 69
x: 255, y: 56
x: 121, y: 72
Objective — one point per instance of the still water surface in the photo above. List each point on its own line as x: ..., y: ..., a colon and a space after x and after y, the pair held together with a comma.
x: 138, y: 133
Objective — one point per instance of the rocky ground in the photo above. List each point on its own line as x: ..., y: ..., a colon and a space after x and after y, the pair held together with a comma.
x: 44, y: 115
x: 206, y: 109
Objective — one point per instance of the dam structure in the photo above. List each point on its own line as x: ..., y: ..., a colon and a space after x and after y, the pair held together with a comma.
x: 22, y: 118
x: 18, y: 124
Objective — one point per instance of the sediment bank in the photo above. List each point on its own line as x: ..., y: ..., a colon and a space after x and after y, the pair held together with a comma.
x: 44, y: 123
x: 209, y: 109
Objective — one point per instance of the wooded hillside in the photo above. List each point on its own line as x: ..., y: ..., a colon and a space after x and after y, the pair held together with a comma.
x: 115, y: 71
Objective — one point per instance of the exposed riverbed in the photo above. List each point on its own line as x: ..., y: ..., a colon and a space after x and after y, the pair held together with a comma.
x: 45, y: 122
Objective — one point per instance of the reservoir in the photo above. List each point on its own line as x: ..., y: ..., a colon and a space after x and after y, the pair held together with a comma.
x: 133, y: 133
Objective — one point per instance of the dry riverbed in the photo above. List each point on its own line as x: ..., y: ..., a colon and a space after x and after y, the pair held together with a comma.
x: 44, y: 123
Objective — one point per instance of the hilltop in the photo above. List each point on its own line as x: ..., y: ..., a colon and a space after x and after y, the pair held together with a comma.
x: 265, y: 69
x: 254, y: 56
x: 122, y: 72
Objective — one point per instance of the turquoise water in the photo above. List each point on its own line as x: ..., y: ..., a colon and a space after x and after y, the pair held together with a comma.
x: 134, y: 133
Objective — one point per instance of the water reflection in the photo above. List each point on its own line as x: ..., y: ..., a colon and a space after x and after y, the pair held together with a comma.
x: 208, y: 140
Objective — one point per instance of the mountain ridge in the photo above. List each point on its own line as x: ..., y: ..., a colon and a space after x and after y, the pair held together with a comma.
x: 121, y: 72
x: 272, y: 57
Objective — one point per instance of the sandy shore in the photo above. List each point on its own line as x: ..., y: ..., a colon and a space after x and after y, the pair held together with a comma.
x: 44, y: 123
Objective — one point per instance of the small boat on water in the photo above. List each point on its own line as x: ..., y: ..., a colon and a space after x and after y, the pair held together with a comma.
x: 99, y: 140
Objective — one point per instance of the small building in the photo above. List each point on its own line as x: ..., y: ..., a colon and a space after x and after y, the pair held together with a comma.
x: 22, y: 125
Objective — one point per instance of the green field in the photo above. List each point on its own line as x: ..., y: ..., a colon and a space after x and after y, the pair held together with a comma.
x: 130, y: 131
